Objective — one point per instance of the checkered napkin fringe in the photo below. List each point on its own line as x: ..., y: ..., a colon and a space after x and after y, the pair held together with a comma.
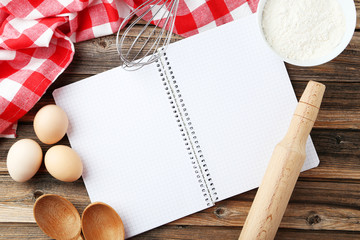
x: 37, y: 36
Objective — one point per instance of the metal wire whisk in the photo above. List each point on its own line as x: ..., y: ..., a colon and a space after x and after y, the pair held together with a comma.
x: 151, y: 40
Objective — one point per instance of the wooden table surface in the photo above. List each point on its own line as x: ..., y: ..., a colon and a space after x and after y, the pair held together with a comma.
x: 326, y: 200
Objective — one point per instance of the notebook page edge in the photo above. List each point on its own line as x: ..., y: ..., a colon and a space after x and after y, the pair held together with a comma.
x: 81, y: 88
x: 174, y: 52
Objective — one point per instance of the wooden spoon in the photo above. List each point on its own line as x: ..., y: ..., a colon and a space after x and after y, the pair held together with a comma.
x: 101, y: 222
x: 57, y: 217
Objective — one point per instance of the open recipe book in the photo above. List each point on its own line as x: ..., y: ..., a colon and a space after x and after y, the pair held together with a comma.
x: 179, y: 135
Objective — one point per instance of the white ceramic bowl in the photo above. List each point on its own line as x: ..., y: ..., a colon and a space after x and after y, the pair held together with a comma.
x: 349, y: 10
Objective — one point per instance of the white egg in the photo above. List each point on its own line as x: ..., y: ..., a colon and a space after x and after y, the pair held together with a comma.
x: 24, y: 159
x: 63, y: 163
x: 50, y: 124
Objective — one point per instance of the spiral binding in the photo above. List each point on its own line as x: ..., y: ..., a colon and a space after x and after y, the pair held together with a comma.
x: 187, y: 130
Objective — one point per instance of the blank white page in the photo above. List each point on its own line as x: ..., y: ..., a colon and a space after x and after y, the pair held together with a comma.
x: 240, y: 101
x: 123, y: 127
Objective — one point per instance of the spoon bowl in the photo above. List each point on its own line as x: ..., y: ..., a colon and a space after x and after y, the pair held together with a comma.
x: 57, y: 217
x: 101, y: 222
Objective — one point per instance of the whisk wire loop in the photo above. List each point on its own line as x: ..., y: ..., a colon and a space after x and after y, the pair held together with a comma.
x: 142, y: 50
x: 150, y: 35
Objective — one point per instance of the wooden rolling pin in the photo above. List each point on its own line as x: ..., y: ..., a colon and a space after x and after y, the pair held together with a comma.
x: 283, y: 170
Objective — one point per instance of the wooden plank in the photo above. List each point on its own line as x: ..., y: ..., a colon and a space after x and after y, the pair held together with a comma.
x: 338, y: 96
x: 331, y: 193
x: 232, y: 233
x: 335, y: 149
x: 298, y: 216
x: 338, y: 151
x: 339, y: 109
x: 100, y: 54
x: 331, y: 168
x: 357, y: 4
x: 31, y: 231
x: 314, y: 205
x: 21, y: 231
x: 17, y: 199
x: 11, y: 212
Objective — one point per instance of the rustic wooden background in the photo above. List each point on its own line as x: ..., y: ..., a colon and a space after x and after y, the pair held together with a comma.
x: 325, y: 203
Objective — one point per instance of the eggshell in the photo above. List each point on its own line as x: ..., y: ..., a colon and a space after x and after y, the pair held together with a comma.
x: 63, y: 163
x: 50, y: 124
x: 24, y: 159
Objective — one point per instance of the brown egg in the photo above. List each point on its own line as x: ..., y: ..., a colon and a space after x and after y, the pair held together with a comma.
x: 24, y: 159
x: 63, y: 163
x: 50, y: 124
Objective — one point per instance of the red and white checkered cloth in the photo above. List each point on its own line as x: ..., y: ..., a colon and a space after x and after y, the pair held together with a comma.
x: 37, y: 36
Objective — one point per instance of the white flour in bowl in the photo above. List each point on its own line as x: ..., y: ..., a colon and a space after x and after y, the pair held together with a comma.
x: 303, y: 29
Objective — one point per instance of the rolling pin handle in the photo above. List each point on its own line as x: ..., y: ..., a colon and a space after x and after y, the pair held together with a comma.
x: 283, y: 169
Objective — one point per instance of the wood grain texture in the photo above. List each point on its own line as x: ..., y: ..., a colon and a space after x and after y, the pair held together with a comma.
x: 340, y: 107
x: 338, y: 151
x: 313, y: 205
x: 30, y: 231
x: 283, y: 169
x: 99, y: 212
x: 100, y: 54
x: 357, y: 5
x: 57, y: 217
x: 325, y: 202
